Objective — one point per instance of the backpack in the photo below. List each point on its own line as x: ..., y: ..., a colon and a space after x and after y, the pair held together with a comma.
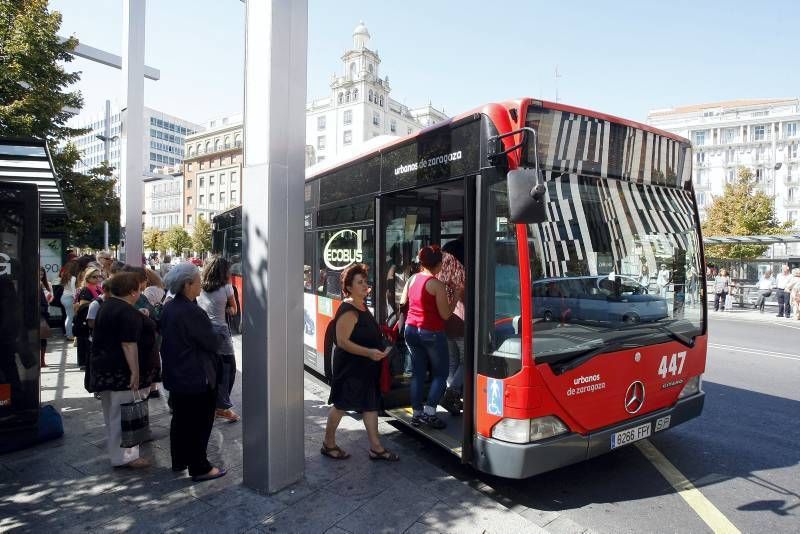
x: 80, y: 324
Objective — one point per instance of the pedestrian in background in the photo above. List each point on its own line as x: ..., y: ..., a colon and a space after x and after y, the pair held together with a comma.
x: 106, y: 260
x: 117, y: 370
x: 166, y: 265
x: 44, y: 328
x: 784, y: 298
x: 764, y: 291
x: 69, y: 280
x: 428, y: 309
x: 90, y: 290
x: 357, y: 364
x: 216, y: 299
x: 722, y: 286
x: 793, y: 294
x: 188, y: 351
x: 662, y: 280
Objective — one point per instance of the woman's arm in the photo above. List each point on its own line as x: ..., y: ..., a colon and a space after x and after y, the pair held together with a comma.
x: 344, y: 328
x: 231, y: 306
x: 131, y: 351
x: 404, y: 296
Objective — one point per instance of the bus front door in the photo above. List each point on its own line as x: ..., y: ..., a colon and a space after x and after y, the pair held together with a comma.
x: 408, y: 221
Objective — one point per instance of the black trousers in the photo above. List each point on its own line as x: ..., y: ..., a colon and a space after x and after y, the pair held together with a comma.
x: 719, y: 301
x: 84, y: 350
x: 192, y: 419
x: 784, y: 303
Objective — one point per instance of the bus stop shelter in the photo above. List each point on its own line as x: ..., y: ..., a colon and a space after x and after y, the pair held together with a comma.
x: 29, y: 194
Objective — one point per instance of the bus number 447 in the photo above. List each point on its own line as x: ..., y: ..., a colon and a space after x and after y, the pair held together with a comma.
x: 675, y: 365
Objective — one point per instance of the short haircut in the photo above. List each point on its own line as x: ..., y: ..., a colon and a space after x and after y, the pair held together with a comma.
x: 123, y: 284
x: 141, y: 275
x: 350, y: 273
x: 430, y: 256
x: 180, y: 275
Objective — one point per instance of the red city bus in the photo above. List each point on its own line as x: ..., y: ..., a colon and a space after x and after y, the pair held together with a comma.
x: 580, y: 240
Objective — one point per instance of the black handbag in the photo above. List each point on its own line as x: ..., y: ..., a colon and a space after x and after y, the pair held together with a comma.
x: 135, y: 420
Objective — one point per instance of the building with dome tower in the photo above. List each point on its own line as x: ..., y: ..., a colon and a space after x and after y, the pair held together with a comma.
x: 359, y: 106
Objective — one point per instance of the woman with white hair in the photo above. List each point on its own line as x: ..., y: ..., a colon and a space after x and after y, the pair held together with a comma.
x: 188, y: 354
x: 793, y: 288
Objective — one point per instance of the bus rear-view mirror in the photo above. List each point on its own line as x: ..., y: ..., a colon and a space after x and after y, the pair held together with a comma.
x: 526, y: 196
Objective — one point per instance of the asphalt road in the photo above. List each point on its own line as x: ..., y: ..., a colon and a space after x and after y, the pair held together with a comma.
x: 742, y: 454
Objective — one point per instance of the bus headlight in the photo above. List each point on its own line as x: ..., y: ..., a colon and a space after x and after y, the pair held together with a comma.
x: 528, y: 430
x: 691, y: 387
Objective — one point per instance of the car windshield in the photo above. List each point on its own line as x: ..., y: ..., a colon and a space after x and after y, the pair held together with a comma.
x: 617, y: 264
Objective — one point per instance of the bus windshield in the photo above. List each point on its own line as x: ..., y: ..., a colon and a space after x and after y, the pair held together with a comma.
x: 617, y: 265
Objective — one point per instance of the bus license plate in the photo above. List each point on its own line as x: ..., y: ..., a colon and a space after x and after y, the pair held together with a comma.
x: 630, y: 435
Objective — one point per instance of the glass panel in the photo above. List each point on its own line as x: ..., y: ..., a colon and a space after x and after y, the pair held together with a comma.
x: 616, y: 261
x: 337, y: 250
x: 501, y: 306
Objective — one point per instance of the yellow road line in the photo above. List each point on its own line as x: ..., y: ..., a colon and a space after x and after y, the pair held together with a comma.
x: 702, y: 506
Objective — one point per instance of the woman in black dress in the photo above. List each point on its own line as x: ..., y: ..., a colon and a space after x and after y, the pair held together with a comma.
x: 356, y: 366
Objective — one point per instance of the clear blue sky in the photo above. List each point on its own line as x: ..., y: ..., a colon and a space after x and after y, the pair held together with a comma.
x: 623, y: 58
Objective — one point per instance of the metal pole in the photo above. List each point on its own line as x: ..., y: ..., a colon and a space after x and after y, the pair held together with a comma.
x: 107, y: 134
x: 272, y: 221
x: 105, y: 235
x: 132, y: 134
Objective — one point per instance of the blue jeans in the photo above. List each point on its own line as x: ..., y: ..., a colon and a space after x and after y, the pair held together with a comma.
x: 427, y: 346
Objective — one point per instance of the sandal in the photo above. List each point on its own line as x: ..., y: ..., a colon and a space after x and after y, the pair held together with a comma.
x: 340, y: 453
x: 210, y: 475
x: 228, y: 414
x: 385, y: 455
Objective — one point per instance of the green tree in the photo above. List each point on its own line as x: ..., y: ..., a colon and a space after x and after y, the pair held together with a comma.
x: 153, y: 239
x: 177, y: 239
x: 741, y: 210
x: 35, y: 101
x: 201, y: 236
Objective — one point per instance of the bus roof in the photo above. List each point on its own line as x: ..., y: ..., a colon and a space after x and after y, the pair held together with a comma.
x: 385, y: 142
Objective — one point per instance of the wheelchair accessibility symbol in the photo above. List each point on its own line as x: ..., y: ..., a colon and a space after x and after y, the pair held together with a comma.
x: 494, y: 397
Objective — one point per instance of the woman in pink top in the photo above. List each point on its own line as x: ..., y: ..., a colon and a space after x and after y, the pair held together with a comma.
x: 428, y: 309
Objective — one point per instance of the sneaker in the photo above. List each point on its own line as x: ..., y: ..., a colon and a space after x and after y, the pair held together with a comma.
x: 416, y: 421
x: 433, y: 421
x: 451, y: 401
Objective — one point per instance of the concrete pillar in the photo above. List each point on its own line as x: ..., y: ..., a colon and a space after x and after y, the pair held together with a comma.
x: 132, y: 135
x: 272, y: 222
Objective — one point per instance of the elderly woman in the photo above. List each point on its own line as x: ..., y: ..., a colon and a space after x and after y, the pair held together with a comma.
x: 116, y: 371
x: 188, y: 353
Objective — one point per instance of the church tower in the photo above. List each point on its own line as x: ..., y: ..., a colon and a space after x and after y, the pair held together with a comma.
x: 360, y: 79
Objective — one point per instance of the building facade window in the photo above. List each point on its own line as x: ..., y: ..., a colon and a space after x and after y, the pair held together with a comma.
x: 348, y: 117
x: 393, y: 126
x: 791, y: 129
x: 376, y: 118
x: 370, y: 95
x: 188, y: 201
x: 408, y: 132
x: 355, y: 95
x: 757, y: 133
x: 347, y: 137
x: 221, y: 178
x: 211, y: 199
x: 699, y: 138
x: 211, y: 181
x: 202, y: 181
x: 202, y: 200
x: 233, y: 177
x: 222, y: 198
x: 321, y: 121
x: 321, y: 142
x: 347, y: 96
x: 381, y: 101
x: 188, y: 184
x: 233, y: 197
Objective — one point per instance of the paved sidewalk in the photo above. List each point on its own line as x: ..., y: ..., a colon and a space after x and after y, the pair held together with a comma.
x: 68, y: 485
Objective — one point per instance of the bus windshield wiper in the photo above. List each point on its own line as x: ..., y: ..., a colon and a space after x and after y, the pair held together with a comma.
x: 576, y: 359
x: 682, y: 338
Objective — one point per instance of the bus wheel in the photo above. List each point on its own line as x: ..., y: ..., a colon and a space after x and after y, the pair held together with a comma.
x: 630, y: 318
x: 547, y: 316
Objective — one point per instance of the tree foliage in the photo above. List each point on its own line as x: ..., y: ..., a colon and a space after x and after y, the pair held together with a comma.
x: 35, y: 101
x: 201, y: 236
x: 177, y: 239
x: 741, y: 210
x: 153, y: 239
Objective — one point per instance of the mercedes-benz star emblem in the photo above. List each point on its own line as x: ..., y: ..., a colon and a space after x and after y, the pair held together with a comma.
x: 634, y: 397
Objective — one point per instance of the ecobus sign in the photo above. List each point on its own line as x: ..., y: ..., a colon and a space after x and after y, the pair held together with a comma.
x: 342, y: 250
